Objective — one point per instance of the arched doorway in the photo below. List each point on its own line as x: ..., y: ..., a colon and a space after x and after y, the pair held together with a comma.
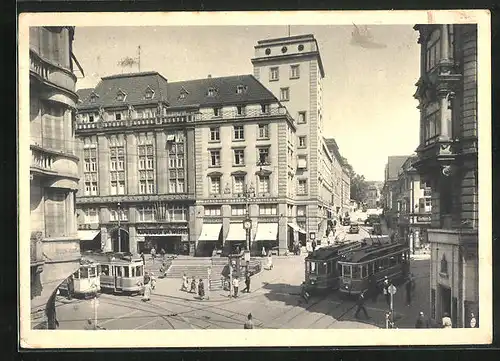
x: 124, y: 245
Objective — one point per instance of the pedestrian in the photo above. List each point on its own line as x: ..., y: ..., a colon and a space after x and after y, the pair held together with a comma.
x: 89, y: 325
x: 236, y: 285
x: 247, y: 283
x: 361, y: 305
x: 71, y: 287
x: 313, y: 245
x: 446, y: 321
x: 201, y: 289
x: 162, y: 253
x: 147, y: 287
x: 270, y: 260
x: 193, y: 286
x: 263, y: 251
x: 421, y: 321
x: 153, y: 254
x: 143, y: 258
x: 373, y: 288
x: 409, y: 289
x: 248, y: 323
x: 185, y: 283
x: 386, y: 291
x: 153, y: 281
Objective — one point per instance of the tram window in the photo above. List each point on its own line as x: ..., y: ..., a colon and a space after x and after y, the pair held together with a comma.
x: 346, y: 271
x: 138, y: 271
x: 322, y: 268
x: 313, y: 267
x: 125, y: 272
x: 98, y: 269
x: 364, y: 271
x: 133, y: 271
x: 355, y: 272
x: 385, y: 262
x: 105, y: 270
x: 84, y: 272
x: 393, y: 261
x: 308, y: 266
x: 76, y: 275
x: 118, y: 271
x: 92, y: 272
x: 339, y: 268
x: 370, y: 268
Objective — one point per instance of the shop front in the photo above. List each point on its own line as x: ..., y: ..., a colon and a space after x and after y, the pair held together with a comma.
x: 296, y: 234
x: 236, y: 238
x: 173, y: 239
x: 210, y: 240
x: 266, y: 237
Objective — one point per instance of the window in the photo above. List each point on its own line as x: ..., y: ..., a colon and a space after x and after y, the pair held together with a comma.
x: 120, y: 96
x: 212, y: 92
x: 302, y: 162
x: 177, y: 213
x: 146, y: 214
x: 302, y: 141
x: 302, y: 187
x: 301, y: 211
x: 239, y: 133
x: 432, y: 123
x: 117, y: 169
x: 217, y: 112
x: 240, y: 110
x: 214, y: 134
x: 240, y: 89
x: 294, y: 71
x: 115, y: 213
x: 268, y: 210
x: 91, y: 215
x: 264, y: 184
x: 91, y: 118
x: 264, y: 155
x: 284, y: 94
x: 215, y: 185
x: 239, y: 184
x: 176, y: 171
x: 215, y: 158
x: 263, y: 131
x: 146, y: 169
x: 56, y: 213
x: 433, y: 50
x: 265, y: 108
x: 239, y: 156
x: 213, y: 211
x: 274, y: 74
x: 90, y: 171
x: 302, y: 118
x: 238, y: 210
x: 149, y: 94
x: 118, y: 116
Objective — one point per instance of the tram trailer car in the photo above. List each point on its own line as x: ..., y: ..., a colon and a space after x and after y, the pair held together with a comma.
x: 86, y: 282
x: 121, y: 272
x: 321, y: 268
x: 391, y: 260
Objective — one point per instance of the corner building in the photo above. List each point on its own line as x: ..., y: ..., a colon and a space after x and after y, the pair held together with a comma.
x: 448, y: 163
x: 55, y: 250
x: 292, y: 69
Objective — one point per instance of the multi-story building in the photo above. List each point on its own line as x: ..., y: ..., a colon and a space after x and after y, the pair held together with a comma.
x: 337, y: 176
x: 180, y: 165
x: 291, y: 68
x: 55, y: 250
x: 414, y: 204
x: 136, y: 142
x: 447, y: 162
x: 372, y: 195
x: 346, y: 191
x: 390, y: 190
x: 246, y: 161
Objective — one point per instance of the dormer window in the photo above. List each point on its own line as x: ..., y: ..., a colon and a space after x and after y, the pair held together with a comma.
x: 120, y: 96
x: 183, y: 94
x: 149, y: 93
x: 240, y: 89
x: 212, y: 92
x: 93, y: 97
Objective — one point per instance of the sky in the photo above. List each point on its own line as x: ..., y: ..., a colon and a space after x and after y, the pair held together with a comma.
x: 368, y: 99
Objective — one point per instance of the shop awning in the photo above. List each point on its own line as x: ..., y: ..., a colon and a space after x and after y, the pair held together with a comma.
x: 267, y: 232
x: 210, y: 232
x: 236, y: 232
x: 87, y: 235
x: 296, y: 227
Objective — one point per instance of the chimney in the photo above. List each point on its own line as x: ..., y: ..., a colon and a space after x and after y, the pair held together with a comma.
x: 209, y: 76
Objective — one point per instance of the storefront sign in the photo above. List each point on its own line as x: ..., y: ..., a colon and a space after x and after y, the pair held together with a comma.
x: 162, y: 232
x: 423, y: 219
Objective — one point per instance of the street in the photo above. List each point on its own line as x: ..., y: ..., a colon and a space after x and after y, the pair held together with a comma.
x: 274, y: 302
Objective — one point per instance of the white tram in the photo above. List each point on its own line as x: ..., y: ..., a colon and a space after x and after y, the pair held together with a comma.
x: 85, y: 282
x: 122, y: 273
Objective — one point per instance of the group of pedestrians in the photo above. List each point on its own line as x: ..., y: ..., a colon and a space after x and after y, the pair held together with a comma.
x: 195, y: 286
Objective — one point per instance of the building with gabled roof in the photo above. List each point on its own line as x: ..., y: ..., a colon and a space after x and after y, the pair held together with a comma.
x: 178, y: 166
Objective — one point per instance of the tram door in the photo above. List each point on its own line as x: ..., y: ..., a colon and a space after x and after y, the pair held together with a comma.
x: 117, y: 270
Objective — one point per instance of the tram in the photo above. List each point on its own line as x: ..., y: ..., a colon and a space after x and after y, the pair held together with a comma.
x: 379, y: 260
x: 86, y: 282
x: 321, y: 269
x: 120, y: 272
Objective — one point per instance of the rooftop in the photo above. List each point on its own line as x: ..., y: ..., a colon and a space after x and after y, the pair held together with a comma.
x: 394, y: 163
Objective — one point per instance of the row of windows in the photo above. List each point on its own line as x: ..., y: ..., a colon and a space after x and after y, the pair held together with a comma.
x: 239, y: 132
x: 145, y: 214
x: 239, y: 184
x: 294, y: 72
x: 239, y: 156
x: 146, y: 186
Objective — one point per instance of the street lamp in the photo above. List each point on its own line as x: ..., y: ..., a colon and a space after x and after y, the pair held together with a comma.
x: 247, y: 223
x: 119, y: 233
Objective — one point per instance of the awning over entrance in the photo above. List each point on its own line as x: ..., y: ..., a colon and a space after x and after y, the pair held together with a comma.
x: 87, y: 235
x: 267, y: 232
x: 296, y: 228
x: 210, y: 232
x: 236, y: 232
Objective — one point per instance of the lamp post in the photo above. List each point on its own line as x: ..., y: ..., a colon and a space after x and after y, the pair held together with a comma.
x: 247, y: 223
x: 119, y: 233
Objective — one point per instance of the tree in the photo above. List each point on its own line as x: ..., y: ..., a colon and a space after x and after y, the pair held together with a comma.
x: 359, y: 185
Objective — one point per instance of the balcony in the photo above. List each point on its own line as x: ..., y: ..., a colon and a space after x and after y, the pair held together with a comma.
x: 246, y: 114
x: 47, y: 72
x: 138, y: 122
x: 41, y: 161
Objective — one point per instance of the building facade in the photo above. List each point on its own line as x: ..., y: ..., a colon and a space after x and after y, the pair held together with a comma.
x: 137, y: 149
x: 291, y: 68
x: 447, y: 162
x: 414, y: 204
x: 346, y: 191
x: 337, y: 177
x: 179, y: 166
x: 391, y: 190
x: 373, y: 196
x: 55, y: 251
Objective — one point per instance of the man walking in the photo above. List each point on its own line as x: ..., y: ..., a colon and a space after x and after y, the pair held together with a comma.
x: 421, y: 321
x: 409, y: 288
x: 248, y: 323
x: 236, y: 285
x: 373, y: 288
x: 247, y: 282
x: 386, y: 291
x: 361, y: 305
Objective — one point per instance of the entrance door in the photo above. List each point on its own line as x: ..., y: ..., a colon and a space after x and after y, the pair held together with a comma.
x: 117, y: 271
x: 445, y: 293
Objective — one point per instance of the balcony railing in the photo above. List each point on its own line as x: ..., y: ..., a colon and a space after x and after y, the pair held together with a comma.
x: 246, y: 113
x: 41, y: 160
x: 52, y: 73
